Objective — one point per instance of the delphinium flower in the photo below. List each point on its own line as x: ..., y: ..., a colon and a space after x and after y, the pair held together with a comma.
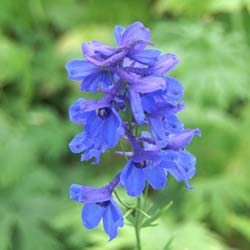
x: 134, y: 84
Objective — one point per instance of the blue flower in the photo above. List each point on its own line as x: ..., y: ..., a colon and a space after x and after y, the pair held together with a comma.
x: 92, y: 78
x: 157, y: 108
x: 131, y: 43
x: 141, y: 168
x: 180, y: 164
x: 88, y: 148
x: 103, y: 126
x: 99, y: 205
x: 182, y: 139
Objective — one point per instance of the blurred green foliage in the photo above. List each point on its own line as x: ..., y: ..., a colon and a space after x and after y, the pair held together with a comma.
x: 37, y: 37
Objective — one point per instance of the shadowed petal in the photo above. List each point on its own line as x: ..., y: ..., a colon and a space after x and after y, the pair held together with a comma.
x: 157, y: 129
x: 110, y: 131
x: 135, y: 182
x: 125, y: 173
x: 99, y: 79
x: 174, y: 88
x: 93, y: 125
x: 91, y: 215
x: 155, y: 176
x: 173, y: 124
x: 136, y: 106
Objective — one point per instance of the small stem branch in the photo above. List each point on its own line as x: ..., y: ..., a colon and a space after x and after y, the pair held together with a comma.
x: 137, y: 224
x: 123, y: 203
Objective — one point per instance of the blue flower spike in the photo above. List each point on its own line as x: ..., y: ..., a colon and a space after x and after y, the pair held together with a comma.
x: 136, y: 91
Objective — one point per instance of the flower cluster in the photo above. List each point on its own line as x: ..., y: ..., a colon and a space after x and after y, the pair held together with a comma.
x: 134, y: 84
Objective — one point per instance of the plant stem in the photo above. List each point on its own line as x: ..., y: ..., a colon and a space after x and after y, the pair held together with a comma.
x: 137, y: 224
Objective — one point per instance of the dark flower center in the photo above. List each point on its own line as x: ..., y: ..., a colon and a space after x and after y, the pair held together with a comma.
x: 141, y: 164
x: 103, y: 112
x: 103, y: 203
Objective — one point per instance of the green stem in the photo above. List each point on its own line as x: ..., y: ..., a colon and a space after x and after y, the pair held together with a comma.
x: 123, y: 203
x: 137, y: 224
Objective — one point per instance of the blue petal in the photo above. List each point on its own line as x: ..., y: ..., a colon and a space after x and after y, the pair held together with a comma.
x: 112, y: 219
x: 135, y: 32
x: 181, y: 165
x: 136, y: 107
x: 76, y: 114
x: 148, y: 103
x: 134, y: 181
x: 148, y: 56
x: 173, y: 124
x: 79, y: 143
x: 187, y: 161
x: 94, y: 125
x: 155, y: 176
x: 79, y: 69
x: 118, y: 31
x: 99, y: 79
x: 110, y: 131
x: 90, y: 105
x: 182, y: 139
x: 147, y: 84
x: 91, y: 215
x: 147, y: 155
x: 164, y: 64
x: 86, y: 194
x: 157, y: 129
x: 125, y: 173
x: 174, y: 88
x: 75, y: 192
x: 117, y: 213
x: 102, y: 55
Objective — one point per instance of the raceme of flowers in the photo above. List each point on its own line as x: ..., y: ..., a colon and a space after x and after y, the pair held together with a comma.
x: 133, y: 80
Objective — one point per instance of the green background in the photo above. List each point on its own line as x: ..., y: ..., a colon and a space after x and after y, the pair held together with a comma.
x: 37, y: 38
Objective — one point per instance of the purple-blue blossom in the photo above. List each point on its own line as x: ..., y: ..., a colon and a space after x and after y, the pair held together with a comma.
x: 99, y: 205
x: 137, y: 91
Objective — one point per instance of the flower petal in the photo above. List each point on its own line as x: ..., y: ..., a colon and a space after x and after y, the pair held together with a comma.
x: 148, y: 84
x: 164, y: 64
x: 134, y: 181
x: 148, y: 56
x: 182, y: 139
x: 91, y: 215
x: 136, y: 106
x: 79, y: 69
x: 112, y: 219
x: 155, y: 176
x: 79, y: 143
x: 172, y: 124
x: 99, y: 79
x: 94, y: 125
x: 174, y: 89
x: 118, y: 31
x: 76, y: 114
x: 86, y: 194
x: 157, y: 129
x: 135, y: 32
